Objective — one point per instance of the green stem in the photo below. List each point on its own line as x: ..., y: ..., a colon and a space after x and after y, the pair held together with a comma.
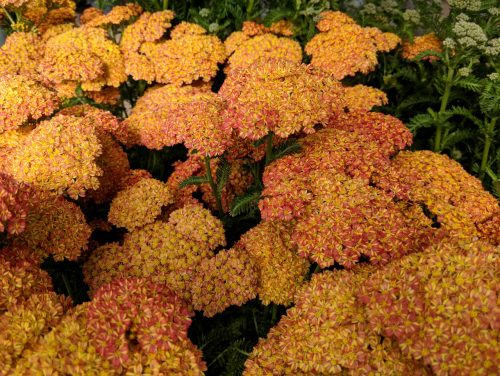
x: 165, y: 4
x: 269, y: 148
x: 68, y: 287
x: 213, y: 186
x: 274, y: 313
x: 490, y: 129
x: 250, y: 7
x: 8, y: 16
x: 442, y: 109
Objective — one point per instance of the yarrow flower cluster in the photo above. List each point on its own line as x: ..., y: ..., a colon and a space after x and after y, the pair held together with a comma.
x: 168, y: 115
x: 20, y: 54
x: 14, y: 205
x: 456, y: 199
x: 54, y: 226
x: 280, y: 270
x: 437, y: 303
x: 23, y: 100
x: 428, y: 42
x: 229, y: 278
x: 149, y: 58
x: 139, y: 204
x: 337, y: 30
x: 279, y: 96
x: 364, y: 98
x: 326, y: 333
x: 168, y: 252
x: 60, y: 155
x: 256, y: 41
x: 117, y: 15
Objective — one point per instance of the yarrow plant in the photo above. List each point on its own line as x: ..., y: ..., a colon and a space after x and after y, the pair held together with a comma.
x: 230, y: 188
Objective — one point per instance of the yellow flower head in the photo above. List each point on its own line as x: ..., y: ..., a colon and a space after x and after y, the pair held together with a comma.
x: 363, y: 98
x: 139, y: 204
x: 117, y: 15
x: 229, y: 278
x: 60, y: 155
x: 83, y: 55
x: 23, y: 100
x: 54, y: 226
x: 21, y: 54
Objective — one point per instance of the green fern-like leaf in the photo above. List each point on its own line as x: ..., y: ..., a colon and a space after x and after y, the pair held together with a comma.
x: 464, y: 112
x: 222, y: 174
x: 287, y: 148
x: 428, y: 53
x: 470, y: 83
x: 193, y: 180
x: 277, y: 14
x: 245, y: 204
x: 420, y: 121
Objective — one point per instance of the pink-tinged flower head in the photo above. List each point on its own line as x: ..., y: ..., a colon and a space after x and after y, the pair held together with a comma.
x: 54, y: 226
x: 23, y: 100
x: 427, y: 42
x: 456, y: 199
x: 440, y: 306
x: 279, y: 96
x: 139, y: 204
x: 229, y: 278
x: 13, y: 3
x: 281, y: 270
x: 21, y: 54
x: 60, y: 155
x: 14, y: 205
x: 24, y: 324
x: 489, y: 229
x: 20, y: 278
x: 83, y: 55
x: 104, y: 264
x: 117, y: 15
x: 326, y: 333
x: 135, y: 316
x: 344, y: 48
x: 168, y: 115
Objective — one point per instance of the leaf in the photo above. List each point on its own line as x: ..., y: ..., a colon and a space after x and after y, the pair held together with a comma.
x: 470, y: 83
x: 222, y: 174
x: 428, y: 53
x: 420, y: 121
x: 244, y: 204
x: 287, y: 148
x: 277, y: 14
x: 464, y: 112
x: 193, y: 180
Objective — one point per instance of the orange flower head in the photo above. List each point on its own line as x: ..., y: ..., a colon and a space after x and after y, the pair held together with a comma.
x: 14, y: 204
x: 363, y: 98
x: 60, y: 155
x: 23, y: 100
x: 89, y: 14
x: 139, y: 204
x: 427, y: 42
x: 279, y: 96
x: 21, y: 54
x: 117, y: 15
x: 54, y: 226
x: 329, y: 52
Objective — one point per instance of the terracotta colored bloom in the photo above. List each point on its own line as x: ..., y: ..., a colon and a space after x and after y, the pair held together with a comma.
x: 244, y: 50
x: 363, y: 98
x: 135, y: 176
x: 20, y: 54
x: 182, y: 171
x: 104, y: 264
x: 278, y: 96
x: 169, y: 115
x: 11, y: 141
x: 14, y: 205
x: 281, y: 270
x: 427, y: 42
x: 489, y: 229
x: 54, y: 226
x: 139, y: 204
x: 117, y: 15
x: 440, y: 306
x: 60, y: 155
x: 83, y: 55
x: 13, y: 3
x: 343, y: 48
x: 23, y: 324
x: 326, y: 333
x: 108, y: 95
x: 282, y: 27
x: 22, y: 100
x: 56, y: 30
x: 46, y: 13
x: 135, y: 317
x: 229, y: 278
x: 456, y: 199
x: 362, y: 145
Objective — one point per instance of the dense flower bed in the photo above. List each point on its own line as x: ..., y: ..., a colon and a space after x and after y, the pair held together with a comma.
x: 291, y: 197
